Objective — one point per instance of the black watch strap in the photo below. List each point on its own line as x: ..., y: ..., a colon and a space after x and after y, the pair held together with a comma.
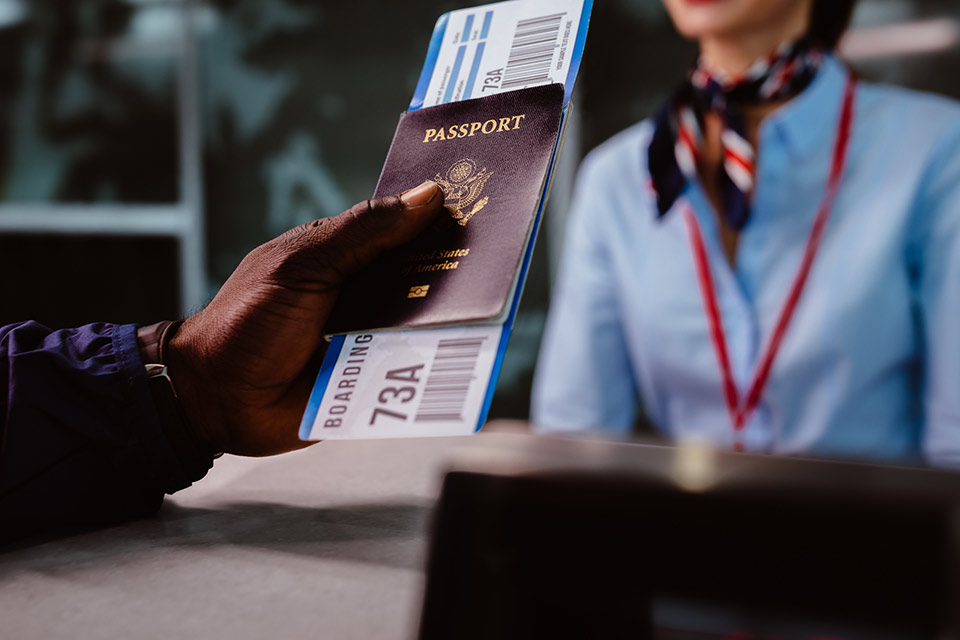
x: 194, y: 454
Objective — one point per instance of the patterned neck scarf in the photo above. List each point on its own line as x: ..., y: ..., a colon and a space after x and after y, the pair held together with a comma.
x: 675, y: 150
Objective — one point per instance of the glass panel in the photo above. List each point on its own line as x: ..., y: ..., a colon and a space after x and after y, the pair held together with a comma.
x: 88, y: 113
x: 301, y: 101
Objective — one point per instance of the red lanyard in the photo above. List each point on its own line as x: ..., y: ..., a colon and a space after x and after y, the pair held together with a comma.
x: 740, y: 411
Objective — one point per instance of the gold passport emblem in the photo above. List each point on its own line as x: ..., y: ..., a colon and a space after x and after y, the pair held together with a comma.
x: 419, y: 291
x: 462, y: 186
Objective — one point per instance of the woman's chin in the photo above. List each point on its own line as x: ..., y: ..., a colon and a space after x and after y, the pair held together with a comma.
x: 699, y: 19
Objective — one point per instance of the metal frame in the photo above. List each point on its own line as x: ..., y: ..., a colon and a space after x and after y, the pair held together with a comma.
x: 561, y: 191
x: 183, y: 220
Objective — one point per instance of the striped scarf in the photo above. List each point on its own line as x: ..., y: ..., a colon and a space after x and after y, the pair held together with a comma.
x: 675, y: 149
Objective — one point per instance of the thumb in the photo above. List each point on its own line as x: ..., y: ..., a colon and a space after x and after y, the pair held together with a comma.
x: 353, y: 239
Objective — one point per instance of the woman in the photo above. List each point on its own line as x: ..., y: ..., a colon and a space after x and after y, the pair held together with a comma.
x: 773, y: 263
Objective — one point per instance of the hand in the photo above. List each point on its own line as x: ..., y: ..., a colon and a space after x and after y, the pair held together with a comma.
x: 245, y: 365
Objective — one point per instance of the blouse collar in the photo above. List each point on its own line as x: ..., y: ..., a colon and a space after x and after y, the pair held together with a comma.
x: 808, y: 122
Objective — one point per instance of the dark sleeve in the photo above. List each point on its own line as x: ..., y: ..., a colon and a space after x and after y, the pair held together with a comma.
x: 80, y: 439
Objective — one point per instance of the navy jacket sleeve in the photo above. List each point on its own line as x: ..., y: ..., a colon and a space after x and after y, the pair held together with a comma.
x: 80, y: 439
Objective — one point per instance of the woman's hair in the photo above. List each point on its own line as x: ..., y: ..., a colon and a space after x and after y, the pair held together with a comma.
x: 828, y: 20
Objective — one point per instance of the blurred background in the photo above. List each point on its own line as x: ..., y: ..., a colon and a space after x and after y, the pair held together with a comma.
x: 147, y: 145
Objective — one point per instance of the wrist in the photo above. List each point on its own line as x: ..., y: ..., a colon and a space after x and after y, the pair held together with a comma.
x: 196, y: 385
x: 180, y: 425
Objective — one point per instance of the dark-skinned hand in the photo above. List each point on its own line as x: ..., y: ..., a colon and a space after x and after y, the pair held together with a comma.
x: 244, y: 366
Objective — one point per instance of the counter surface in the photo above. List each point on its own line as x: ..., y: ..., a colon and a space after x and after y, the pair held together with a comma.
x: 328, y: 542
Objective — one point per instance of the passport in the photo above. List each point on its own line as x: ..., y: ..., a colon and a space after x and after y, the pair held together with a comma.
x: 491, y: 156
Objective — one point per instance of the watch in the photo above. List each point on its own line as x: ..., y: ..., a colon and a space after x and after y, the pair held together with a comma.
x: 196, y: 456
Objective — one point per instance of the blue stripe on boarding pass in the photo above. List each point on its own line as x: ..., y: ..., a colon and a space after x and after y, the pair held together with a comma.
x: 485, y: 30
x: 320, y: 386
x: 472, y: 78
x: 448, y: 94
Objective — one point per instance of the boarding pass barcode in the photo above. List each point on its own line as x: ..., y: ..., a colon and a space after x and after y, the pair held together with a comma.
x: 448, y: 383
x: 531, y: 55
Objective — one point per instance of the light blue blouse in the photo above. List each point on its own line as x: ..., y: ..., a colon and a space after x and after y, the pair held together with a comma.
x: 870, y: 366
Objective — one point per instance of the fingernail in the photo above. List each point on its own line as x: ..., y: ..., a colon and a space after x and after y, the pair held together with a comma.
x: 419, y: 195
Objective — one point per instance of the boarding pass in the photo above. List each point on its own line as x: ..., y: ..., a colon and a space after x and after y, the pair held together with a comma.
x: 503, y: 47
x: 440, y: 381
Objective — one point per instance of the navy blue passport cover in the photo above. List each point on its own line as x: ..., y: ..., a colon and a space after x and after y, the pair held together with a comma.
x: 491, y: 157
